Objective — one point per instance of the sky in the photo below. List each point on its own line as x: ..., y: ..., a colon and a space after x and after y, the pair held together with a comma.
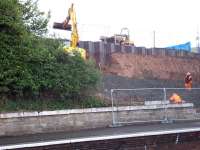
x: 172, y: 21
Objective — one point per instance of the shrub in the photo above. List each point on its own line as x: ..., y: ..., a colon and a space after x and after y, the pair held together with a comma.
x: 34, y: 67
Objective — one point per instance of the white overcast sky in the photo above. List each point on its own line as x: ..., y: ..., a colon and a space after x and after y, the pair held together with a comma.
x: 174, y: 21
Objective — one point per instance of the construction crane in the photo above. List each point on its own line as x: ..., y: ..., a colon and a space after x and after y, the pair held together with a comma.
x: 73, y: 48
x: 123, y: 38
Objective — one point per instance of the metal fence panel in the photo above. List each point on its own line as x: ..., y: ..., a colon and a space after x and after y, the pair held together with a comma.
x: 138, y: 101
x: 190, y: 98
x: 154, y: 104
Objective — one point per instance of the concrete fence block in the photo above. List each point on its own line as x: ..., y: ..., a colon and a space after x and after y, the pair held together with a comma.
x: 156, y: 102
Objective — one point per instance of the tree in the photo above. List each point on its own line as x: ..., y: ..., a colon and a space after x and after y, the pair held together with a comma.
x: 19, y: 23
x: 31, y: 64
x: 34, y: 20
x: 12, y: 34
x: 11, y: 24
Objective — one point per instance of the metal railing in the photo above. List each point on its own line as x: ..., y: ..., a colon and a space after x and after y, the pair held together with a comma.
x: 154, y: 104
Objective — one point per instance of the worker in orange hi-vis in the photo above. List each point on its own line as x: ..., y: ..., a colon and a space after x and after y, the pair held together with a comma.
x: 188, y: 81
x: 175, y: 98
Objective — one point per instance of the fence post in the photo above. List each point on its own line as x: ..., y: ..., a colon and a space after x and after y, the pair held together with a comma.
x: 113, y: 115
x: 166, y: 119
x: 165, y: 106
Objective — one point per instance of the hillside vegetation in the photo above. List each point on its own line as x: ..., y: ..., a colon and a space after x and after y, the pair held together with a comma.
x: 36, y: 68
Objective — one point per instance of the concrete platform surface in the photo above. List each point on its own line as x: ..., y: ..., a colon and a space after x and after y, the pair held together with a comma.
x: 140, y: 130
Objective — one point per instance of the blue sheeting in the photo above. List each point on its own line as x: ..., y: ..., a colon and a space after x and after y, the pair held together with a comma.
x: 184, y: 47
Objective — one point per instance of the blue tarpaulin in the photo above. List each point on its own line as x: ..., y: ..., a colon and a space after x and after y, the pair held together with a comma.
x: 184, y: 47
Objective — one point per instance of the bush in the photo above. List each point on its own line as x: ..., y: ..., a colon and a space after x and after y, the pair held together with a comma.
x: 34, y: 67
x: 41, y: 105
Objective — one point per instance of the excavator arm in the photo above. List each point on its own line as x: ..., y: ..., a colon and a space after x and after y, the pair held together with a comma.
x: 74, y: 32
x: 74, y: 35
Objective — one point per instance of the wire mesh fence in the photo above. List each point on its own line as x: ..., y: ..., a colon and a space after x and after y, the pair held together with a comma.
x: 154, y: 104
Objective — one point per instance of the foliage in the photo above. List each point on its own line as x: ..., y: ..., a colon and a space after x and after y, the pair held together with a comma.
x: 76, y: 74
x: 35, y: 67
x: 33, y: 18
x: 12, y: 36
x: 41, y: 105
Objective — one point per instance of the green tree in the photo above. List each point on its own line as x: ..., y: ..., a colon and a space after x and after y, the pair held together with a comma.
x: 12, y: 34
x: 34, y: 19
x: 75, y: 75
x: 32, y: 65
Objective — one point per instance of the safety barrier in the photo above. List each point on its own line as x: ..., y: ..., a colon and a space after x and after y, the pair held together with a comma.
x: 154, y: 104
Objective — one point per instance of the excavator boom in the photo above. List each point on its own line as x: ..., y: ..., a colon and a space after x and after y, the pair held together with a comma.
x: 74, y: 32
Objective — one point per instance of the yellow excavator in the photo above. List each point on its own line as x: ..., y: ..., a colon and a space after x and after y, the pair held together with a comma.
x: 73, y: 48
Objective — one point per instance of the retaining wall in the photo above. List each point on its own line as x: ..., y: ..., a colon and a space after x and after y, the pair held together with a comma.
x: 101, y: 51
x: 21, y: 123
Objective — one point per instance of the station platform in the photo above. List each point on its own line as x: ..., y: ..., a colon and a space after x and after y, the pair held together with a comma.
x: 110, y: 133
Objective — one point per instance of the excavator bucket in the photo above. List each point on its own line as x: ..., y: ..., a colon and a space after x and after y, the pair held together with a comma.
x: 57, y: 25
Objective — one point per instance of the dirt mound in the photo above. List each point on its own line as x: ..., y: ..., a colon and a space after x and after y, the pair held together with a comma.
x: 152, y: 67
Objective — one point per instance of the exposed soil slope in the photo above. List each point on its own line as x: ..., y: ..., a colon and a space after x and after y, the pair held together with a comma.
x: 151, y: 67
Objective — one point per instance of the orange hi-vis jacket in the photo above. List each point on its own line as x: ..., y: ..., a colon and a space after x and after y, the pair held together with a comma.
x: 188, y: 81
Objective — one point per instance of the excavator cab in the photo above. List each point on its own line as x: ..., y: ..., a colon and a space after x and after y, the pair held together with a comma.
x: 73, y: 48
x: 123, y: 38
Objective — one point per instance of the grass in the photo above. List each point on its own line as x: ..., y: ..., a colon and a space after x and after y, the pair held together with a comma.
x: 41, y: 105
